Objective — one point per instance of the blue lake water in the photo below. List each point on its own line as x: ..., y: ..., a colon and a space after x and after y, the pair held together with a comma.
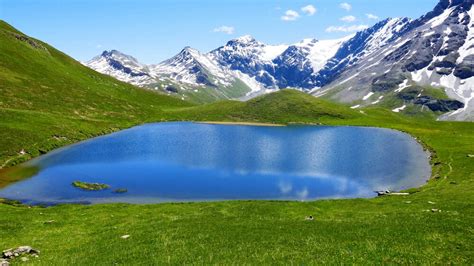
x: 186, y: 161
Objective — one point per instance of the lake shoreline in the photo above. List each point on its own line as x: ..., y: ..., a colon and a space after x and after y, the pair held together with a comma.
x: 241, y: 123
x: 343, y: 133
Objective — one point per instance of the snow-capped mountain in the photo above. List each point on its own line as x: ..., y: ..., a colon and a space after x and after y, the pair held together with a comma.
x: 249, y: 57
x: 299, y: 64
x: 435, y: 50
x: 192, y: 67
x: 121, y: 66
x: 381, y: 61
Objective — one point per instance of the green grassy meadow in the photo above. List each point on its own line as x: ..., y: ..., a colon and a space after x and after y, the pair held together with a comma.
x: 48, y: 100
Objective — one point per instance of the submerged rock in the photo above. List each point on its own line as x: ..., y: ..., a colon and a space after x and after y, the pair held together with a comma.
x: 90, y: 186
x: 120, y: 190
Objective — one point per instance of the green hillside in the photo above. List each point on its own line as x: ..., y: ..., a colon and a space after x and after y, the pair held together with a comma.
x: 48, y: 99
x: 284, y: 106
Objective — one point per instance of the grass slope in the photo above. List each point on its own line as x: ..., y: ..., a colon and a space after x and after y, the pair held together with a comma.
x: 48, y: 99
x: 357, y: 231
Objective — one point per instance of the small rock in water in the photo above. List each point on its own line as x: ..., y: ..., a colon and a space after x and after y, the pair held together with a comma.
x: 120, y: 190
x: 125, y: 236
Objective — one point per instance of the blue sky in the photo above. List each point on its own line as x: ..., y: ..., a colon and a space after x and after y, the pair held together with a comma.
x: 156, y: 30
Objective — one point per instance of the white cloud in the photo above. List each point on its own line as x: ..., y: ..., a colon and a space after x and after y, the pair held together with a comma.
x: 371, y: 16
x: 346, y: 6
x: 303, y: 194
x: 309, y: 10
x: 349, y: 19
x: 284, y: 187
x: 352, y: 28
x: 290, y: 15
x: 225, y: 29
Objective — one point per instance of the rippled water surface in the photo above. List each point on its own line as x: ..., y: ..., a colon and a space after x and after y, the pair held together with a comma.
x: 199, y: 162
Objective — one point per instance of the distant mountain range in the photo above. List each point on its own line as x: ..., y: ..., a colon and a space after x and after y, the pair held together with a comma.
x: 382, y: 65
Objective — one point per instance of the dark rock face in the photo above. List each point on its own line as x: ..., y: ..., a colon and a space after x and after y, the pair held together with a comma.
x: 408, y: 95
x: 292, y: 68
x: 436, y: 105
x: 424, y: 56
x: 399, y: 53
x: 117, y: 65
x: 111, y: 56
x: 172, y: 89
x: 203, y: 78
x: 466, y: 68
x: 386, y: 82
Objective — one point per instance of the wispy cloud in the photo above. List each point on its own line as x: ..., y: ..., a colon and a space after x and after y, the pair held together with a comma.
x: 303, y: 194
x: 309, y: 10
x: 371, y: 16
x: 349, y: 19
x: 352, y: 28
x: 290, y: 15
x: 285, y: 188
x: 346, y: 6
x: 98, y: 46
x: 225, y: 29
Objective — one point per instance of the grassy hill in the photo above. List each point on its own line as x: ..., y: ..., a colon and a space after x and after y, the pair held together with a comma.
x: 284, y: 106
x: 48, y: 100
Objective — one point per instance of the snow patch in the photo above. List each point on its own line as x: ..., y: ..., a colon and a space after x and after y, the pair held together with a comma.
x: 397, y: 110
x: 366, y: 97
x: 402, y: 86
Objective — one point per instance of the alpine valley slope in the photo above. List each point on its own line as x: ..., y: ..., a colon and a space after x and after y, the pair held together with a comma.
x: 371, y: 67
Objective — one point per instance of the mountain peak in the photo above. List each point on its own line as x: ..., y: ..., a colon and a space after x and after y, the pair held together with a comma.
x: 107, y: 53
x: 245, y: 39
x: 308, y: 42
x: 189, y: 51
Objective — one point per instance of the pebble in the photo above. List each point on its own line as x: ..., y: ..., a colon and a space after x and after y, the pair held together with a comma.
x: 435, y: 210
x: 125, y: 236
x: 430, y: 202
x: 4, y: 263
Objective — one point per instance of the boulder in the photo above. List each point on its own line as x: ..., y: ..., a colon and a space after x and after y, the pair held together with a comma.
x: 16, y: 252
